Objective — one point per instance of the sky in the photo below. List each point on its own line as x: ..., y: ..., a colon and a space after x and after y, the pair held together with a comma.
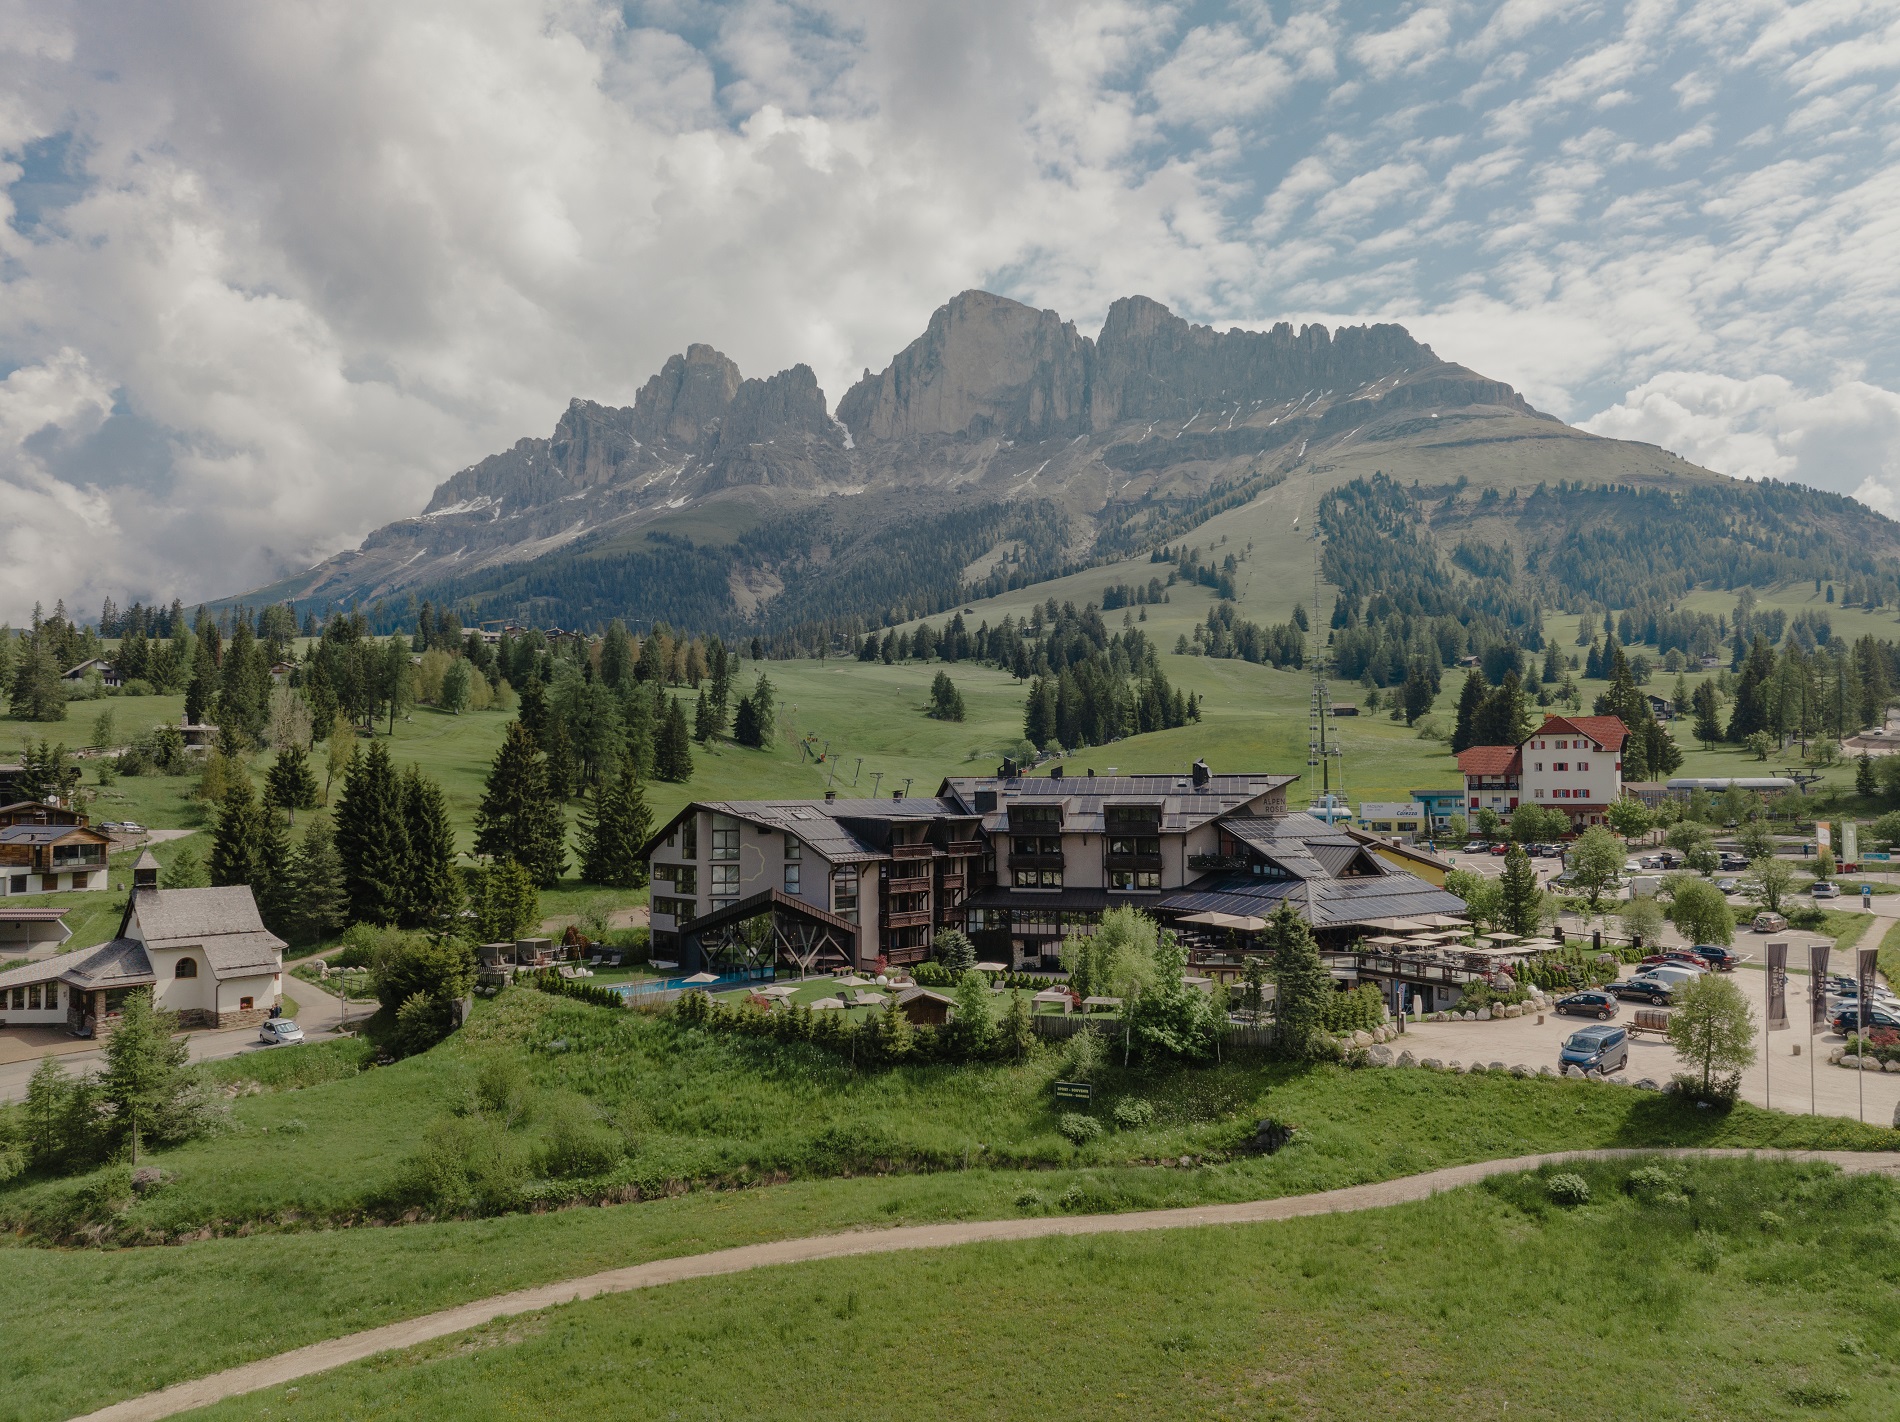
x: 269, y: 273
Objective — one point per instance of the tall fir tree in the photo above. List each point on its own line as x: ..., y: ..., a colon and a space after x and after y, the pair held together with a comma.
x: 1750, y: 711
x: 704, y: 728
x: 318, y: 899
x: 244, y: 685
x: 1707, y: 725
x: 1470, y: 703
x: 745, y: 725
x: 433, y: 890
x: 672, y: 746
x: 372, y: 838
x: 614, y: 827
x: 518, y: 818
x: 1521, y: 901
x: 1302, y: 986
x: 203, y: 686
x: 248, y: 845
x: 290, y: 784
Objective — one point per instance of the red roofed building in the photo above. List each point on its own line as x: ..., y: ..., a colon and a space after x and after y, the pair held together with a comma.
x: 1570, y: 763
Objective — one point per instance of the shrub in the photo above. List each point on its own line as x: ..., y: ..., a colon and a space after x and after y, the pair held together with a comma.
x: 1360, y: 1010
x: 1131, y: 1113
x: 578, y: 1141
x: 421, y: 1022
x: 1083, y: 1055
x: 466, y: 1165
x: 1030, y: 1200
x: 1568, y: 1189
x: 1079, y: 1129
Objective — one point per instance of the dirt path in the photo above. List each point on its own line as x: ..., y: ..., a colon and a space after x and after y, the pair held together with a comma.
x: 320, y: 1357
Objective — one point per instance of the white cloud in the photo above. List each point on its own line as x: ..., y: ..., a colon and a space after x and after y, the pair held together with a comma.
x: 1846, y: 438
x: 296, y: 264
x: 1419, y: 40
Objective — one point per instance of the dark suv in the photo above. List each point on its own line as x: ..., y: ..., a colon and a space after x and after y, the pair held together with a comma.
x: 1594, y: 1003
x: 1596, y: 1049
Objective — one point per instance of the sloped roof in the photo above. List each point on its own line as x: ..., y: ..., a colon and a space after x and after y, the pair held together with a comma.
x: 223, y: 922
x: 120, y: 963
x: 1085, y: 798
x: 1488, y: 760
x: 48, y: 834
x: 1607, y: 731
x: 1334, y: 903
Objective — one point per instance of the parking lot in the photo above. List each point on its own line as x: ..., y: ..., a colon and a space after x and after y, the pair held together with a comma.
x: 1779, y: 1078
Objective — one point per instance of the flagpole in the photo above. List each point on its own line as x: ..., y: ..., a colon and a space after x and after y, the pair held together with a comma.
x: 1767, y: 1038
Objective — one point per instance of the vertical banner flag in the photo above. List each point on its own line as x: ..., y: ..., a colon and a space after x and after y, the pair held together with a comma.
x: 1850, y: 842
x: 1777, y: 987
x: 1823, y: 835
x: 1817, y: 986
x: 1869, y: 963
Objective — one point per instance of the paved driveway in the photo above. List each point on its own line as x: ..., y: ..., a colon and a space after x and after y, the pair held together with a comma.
x: 1779, y: 1078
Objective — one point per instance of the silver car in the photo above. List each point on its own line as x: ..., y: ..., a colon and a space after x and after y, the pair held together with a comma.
x: 280, y: 1032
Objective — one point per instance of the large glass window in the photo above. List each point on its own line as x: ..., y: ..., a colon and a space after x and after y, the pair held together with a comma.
x: 689, y: 837
x: 725, y: 837
x: 725, y: 884
x: 1038, y: 878
x: 1134, y: 844
x: 794, y: 847
x: 1133, y: 880
x: 844, y: 892
x: 686, y: 879
x: 791, y: 877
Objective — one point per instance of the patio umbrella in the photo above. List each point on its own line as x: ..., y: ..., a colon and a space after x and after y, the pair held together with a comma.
x: 697, y: 978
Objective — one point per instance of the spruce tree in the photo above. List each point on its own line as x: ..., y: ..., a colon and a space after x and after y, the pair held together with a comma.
x: 372, y: 838
x: 244, y: 685
x: 1470, y: 703
x: 672, y: 746
x: 203, y: 685
x: 1750, y: 712
x: 1864, y: 775
x: 144, y: 1072
x: 1521, y: 903
x: 290, y: 784
x: 317, y: 898
x: 704, y: 728
x: 238, y: 843
x: 518, y: 818
x: 1707, y: 727
x: 745, y: 725
x: 432, y: 890
x: 1302, y: 987
x: 614, y: 827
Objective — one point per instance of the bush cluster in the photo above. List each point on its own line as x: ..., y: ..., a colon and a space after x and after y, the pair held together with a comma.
x: 550, y: 981
x: 1360, y: 1010
x: 886, y: 1037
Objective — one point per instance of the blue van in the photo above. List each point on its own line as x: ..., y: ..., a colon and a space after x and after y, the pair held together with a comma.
x: 1601, y: 1049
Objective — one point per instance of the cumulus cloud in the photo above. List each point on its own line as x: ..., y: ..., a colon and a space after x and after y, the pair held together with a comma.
x: 1846, y: 438
x: 269, y: 273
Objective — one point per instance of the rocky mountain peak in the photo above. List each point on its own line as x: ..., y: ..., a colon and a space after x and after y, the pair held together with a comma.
x: 690, y: 393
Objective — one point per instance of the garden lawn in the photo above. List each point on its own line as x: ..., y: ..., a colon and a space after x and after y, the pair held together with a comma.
x: 1489, y: 1301
x: 323, y: 1137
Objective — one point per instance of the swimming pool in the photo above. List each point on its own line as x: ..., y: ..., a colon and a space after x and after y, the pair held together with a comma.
x: 722, y: 984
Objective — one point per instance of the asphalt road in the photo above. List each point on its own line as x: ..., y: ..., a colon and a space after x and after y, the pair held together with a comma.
x: 316, y: 1011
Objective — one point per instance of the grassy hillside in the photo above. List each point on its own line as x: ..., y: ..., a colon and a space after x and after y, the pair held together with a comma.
x: 1487, y: 1301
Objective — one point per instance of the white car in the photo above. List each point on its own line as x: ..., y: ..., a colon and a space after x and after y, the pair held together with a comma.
x: 280, y: 1032
x: 129, y: 827
x: 1674, y: 974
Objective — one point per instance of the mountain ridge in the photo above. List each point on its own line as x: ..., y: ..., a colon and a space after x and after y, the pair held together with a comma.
x: 1000, y: 421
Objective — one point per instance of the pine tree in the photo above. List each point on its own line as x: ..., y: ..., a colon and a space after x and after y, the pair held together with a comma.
x: 371, y: 837
x: 290, y: 784
x: 672, y: 746
x: 614, y: 828
x: 244, y: 686
x: 518, y: 819
x: 432, y: 890
x: 1302, y: 986
x: 238, y: 841
x: 1707, y: 728
x: 946, y: 702
x: 1750, y: 712
x: 1470, y: 703
x: 704, y: 728
x: 896, y: 1039
x: 745, y: 725
x: 1522, y: 901
x: 317, y: 897
x: 203, y: 685
x: 144, y: 1069
x: 1864, y: 775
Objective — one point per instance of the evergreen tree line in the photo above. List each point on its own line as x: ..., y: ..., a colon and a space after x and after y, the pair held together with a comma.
x: 1227, y: 635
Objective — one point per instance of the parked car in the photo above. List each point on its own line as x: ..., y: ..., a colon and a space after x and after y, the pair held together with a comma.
x: 1503, y: 848
x: 1594, y: 1003
x: 280, y: 1032
x: 1596, y: 1049
x: 1476, y: 846
x: 1766, y: 922
x: 1674, y: 974
x: 1846, y: 1018
x: 1566, y: 880
x: 1729, y: 886
x: 1651, y: 861
x: 1656, y: 994
x: 131, y: 827
x: 1723, y: 960
x: 1632, y: 866
x: 109, y: 826
x: 1825, y: 890
x: 1692, y: 956
x: 1729, y: 859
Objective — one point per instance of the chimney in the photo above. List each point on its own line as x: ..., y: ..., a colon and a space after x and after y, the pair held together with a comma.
x: 1055, y: 771
x: 897, y: 794
x: 1009, y: 770
x: 830, y: 795
x: 1202, y: 775
x: 1091, y: 772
